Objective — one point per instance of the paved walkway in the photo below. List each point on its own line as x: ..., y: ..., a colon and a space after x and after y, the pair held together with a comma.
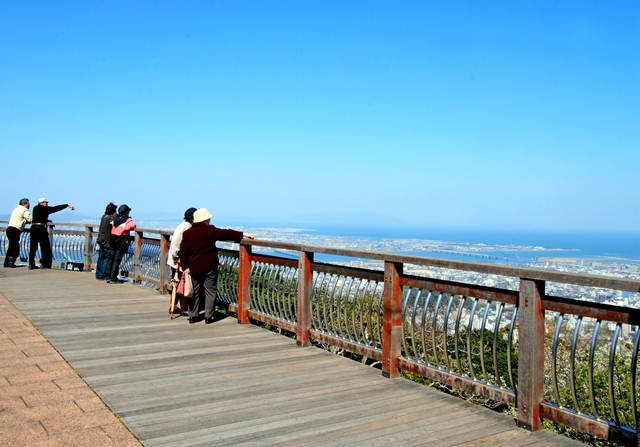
x: 225, y: 384
x: 43, y: 401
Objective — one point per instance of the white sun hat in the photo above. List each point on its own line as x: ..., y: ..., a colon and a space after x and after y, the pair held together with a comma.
x: 201, y: 215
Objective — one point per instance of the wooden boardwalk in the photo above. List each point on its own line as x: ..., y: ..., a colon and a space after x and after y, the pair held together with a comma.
x: 225, y: 384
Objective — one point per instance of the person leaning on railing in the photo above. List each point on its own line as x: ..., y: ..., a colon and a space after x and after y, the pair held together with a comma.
x: 39, y: 233
x: 199, y: 254
x: 174, y: 253
x: 119, y: 243
x: 104, y: 234
x: 19, y: 217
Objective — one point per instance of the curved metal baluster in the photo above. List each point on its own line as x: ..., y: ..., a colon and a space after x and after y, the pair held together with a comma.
x: 272, y: 284
x: 322, y: 297
x: 433, y: 330
x: 315, y: 317
x: 285, y: 312
x: 446, y: 324
x: 290, y: 295
x: 379, y: 314
x: 252, y: 304
x: 342, y: 325
x: 574, y: 344
x: 612, y: 355
x: 510, y: 346
x: 260, y: 267
x: 260, y: 290
x: 354, y: 314
x: 370, y: 328
x: 634, y: 366
x: 554, y: 358
x: 235, y: 270
x: 279, y: 289
x: 332, y: 305
x: 222, y: 282
x: 592, y: 351
x: 280, y: 292
x: 405, y: 303
x: 272, y: 290
x: 496, y: 331
x: 335, y: 307
x: 469, y: 331
x: 484, y: 323
x: 413, y: 324
x: 456, y: 332
x: 229, y: 282
x: 362, y: 313
x: 347, y: 300
x: 292, y: 281
x: 424, y: 327
x: 327, y: 303
x: 338, y: 303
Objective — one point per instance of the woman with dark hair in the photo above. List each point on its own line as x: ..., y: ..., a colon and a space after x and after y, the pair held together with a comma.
x: 119, y: 243
x: 104, y: 234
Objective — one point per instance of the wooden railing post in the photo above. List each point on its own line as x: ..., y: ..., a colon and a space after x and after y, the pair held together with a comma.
x: 137, y: 257
x: 163, y: 267
x: 87, y: 248
x: 305, y: 287
x: 530, y: 389
x: 392, y: 319
x: 244, y: 279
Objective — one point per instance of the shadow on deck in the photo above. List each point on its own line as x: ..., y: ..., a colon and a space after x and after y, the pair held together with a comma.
x: 173, y: 383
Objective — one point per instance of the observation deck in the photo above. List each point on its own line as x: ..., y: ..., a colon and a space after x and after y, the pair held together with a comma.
x: 225, y: 384
x: 546, y: 357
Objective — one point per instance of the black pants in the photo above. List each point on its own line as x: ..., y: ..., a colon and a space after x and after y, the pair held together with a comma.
x: 205, y: 285
x: 40, y: 235
x: 113, y: 262
x: 13, y: 250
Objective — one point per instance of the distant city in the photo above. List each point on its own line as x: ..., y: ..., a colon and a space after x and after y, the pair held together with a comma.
x: 562, y: 260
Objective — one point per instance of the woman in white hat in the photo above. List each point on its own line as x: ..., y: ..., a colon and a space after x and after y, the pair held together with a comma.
x: 199, y: 254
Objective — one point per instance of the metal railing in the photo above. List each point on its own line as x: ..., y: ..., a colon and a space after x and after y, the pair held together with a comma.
x: 569, y: 361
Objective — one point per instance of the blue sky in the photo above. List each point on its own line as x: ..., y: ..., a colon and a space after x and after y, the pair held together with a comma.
x: 462, y: 114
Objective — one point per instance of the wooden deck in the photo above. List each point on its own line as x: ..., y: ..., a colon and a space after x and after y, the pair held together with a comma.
x: 227, y: 384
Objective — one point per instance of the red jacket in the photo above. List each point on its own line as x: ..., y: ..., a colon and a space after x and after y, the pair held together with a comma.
x: 198, y: 251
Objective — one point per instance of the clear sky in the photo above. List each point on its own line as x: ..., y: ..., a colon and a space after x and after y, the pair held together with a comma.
x: 469, y: 114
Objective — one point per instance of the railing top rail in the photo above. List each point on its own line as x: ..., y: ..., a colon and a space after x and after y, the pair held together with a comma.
x: 606, y: 282
x: 95, y: 225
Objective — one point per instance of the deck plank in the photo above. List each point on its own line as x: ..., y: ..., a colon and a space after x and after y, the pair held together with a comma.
x: 175, y: 384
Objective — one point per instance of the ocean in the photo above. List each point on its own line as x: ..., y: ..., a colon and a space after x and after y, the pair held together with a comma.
x: 603, y: 246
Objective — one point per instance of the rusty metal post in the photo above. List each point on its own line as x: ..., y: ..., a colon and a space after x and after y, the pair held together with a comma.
x: 530, y: 387
x: 305, y: 288
x: 163, y: 267
x: 137, y: 257
x: 392, y: 319
x: 244, y: 282
x: 87, y: 248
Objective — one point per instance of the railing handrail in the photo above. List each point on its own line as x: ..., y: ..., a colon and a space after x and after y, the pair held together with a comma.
x: 608, y: 282
x: 605, y: 282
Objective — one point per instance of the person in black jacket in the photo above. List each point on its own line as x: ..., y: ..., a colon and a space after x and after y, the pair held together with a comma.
x: 39, y: 233
x: 104, y: 234
x: 119, y: 243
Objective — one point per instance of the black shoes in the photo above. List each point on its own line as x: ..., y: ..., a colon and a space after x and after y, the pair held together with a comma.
x: 208, y: 320
x: 195, y: 319
x: 33, y: 267
x: 10, y: 264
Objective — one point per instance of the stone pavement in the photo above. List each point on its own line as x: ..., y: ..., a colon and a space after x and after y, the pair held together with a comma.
x: 43, y: 402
